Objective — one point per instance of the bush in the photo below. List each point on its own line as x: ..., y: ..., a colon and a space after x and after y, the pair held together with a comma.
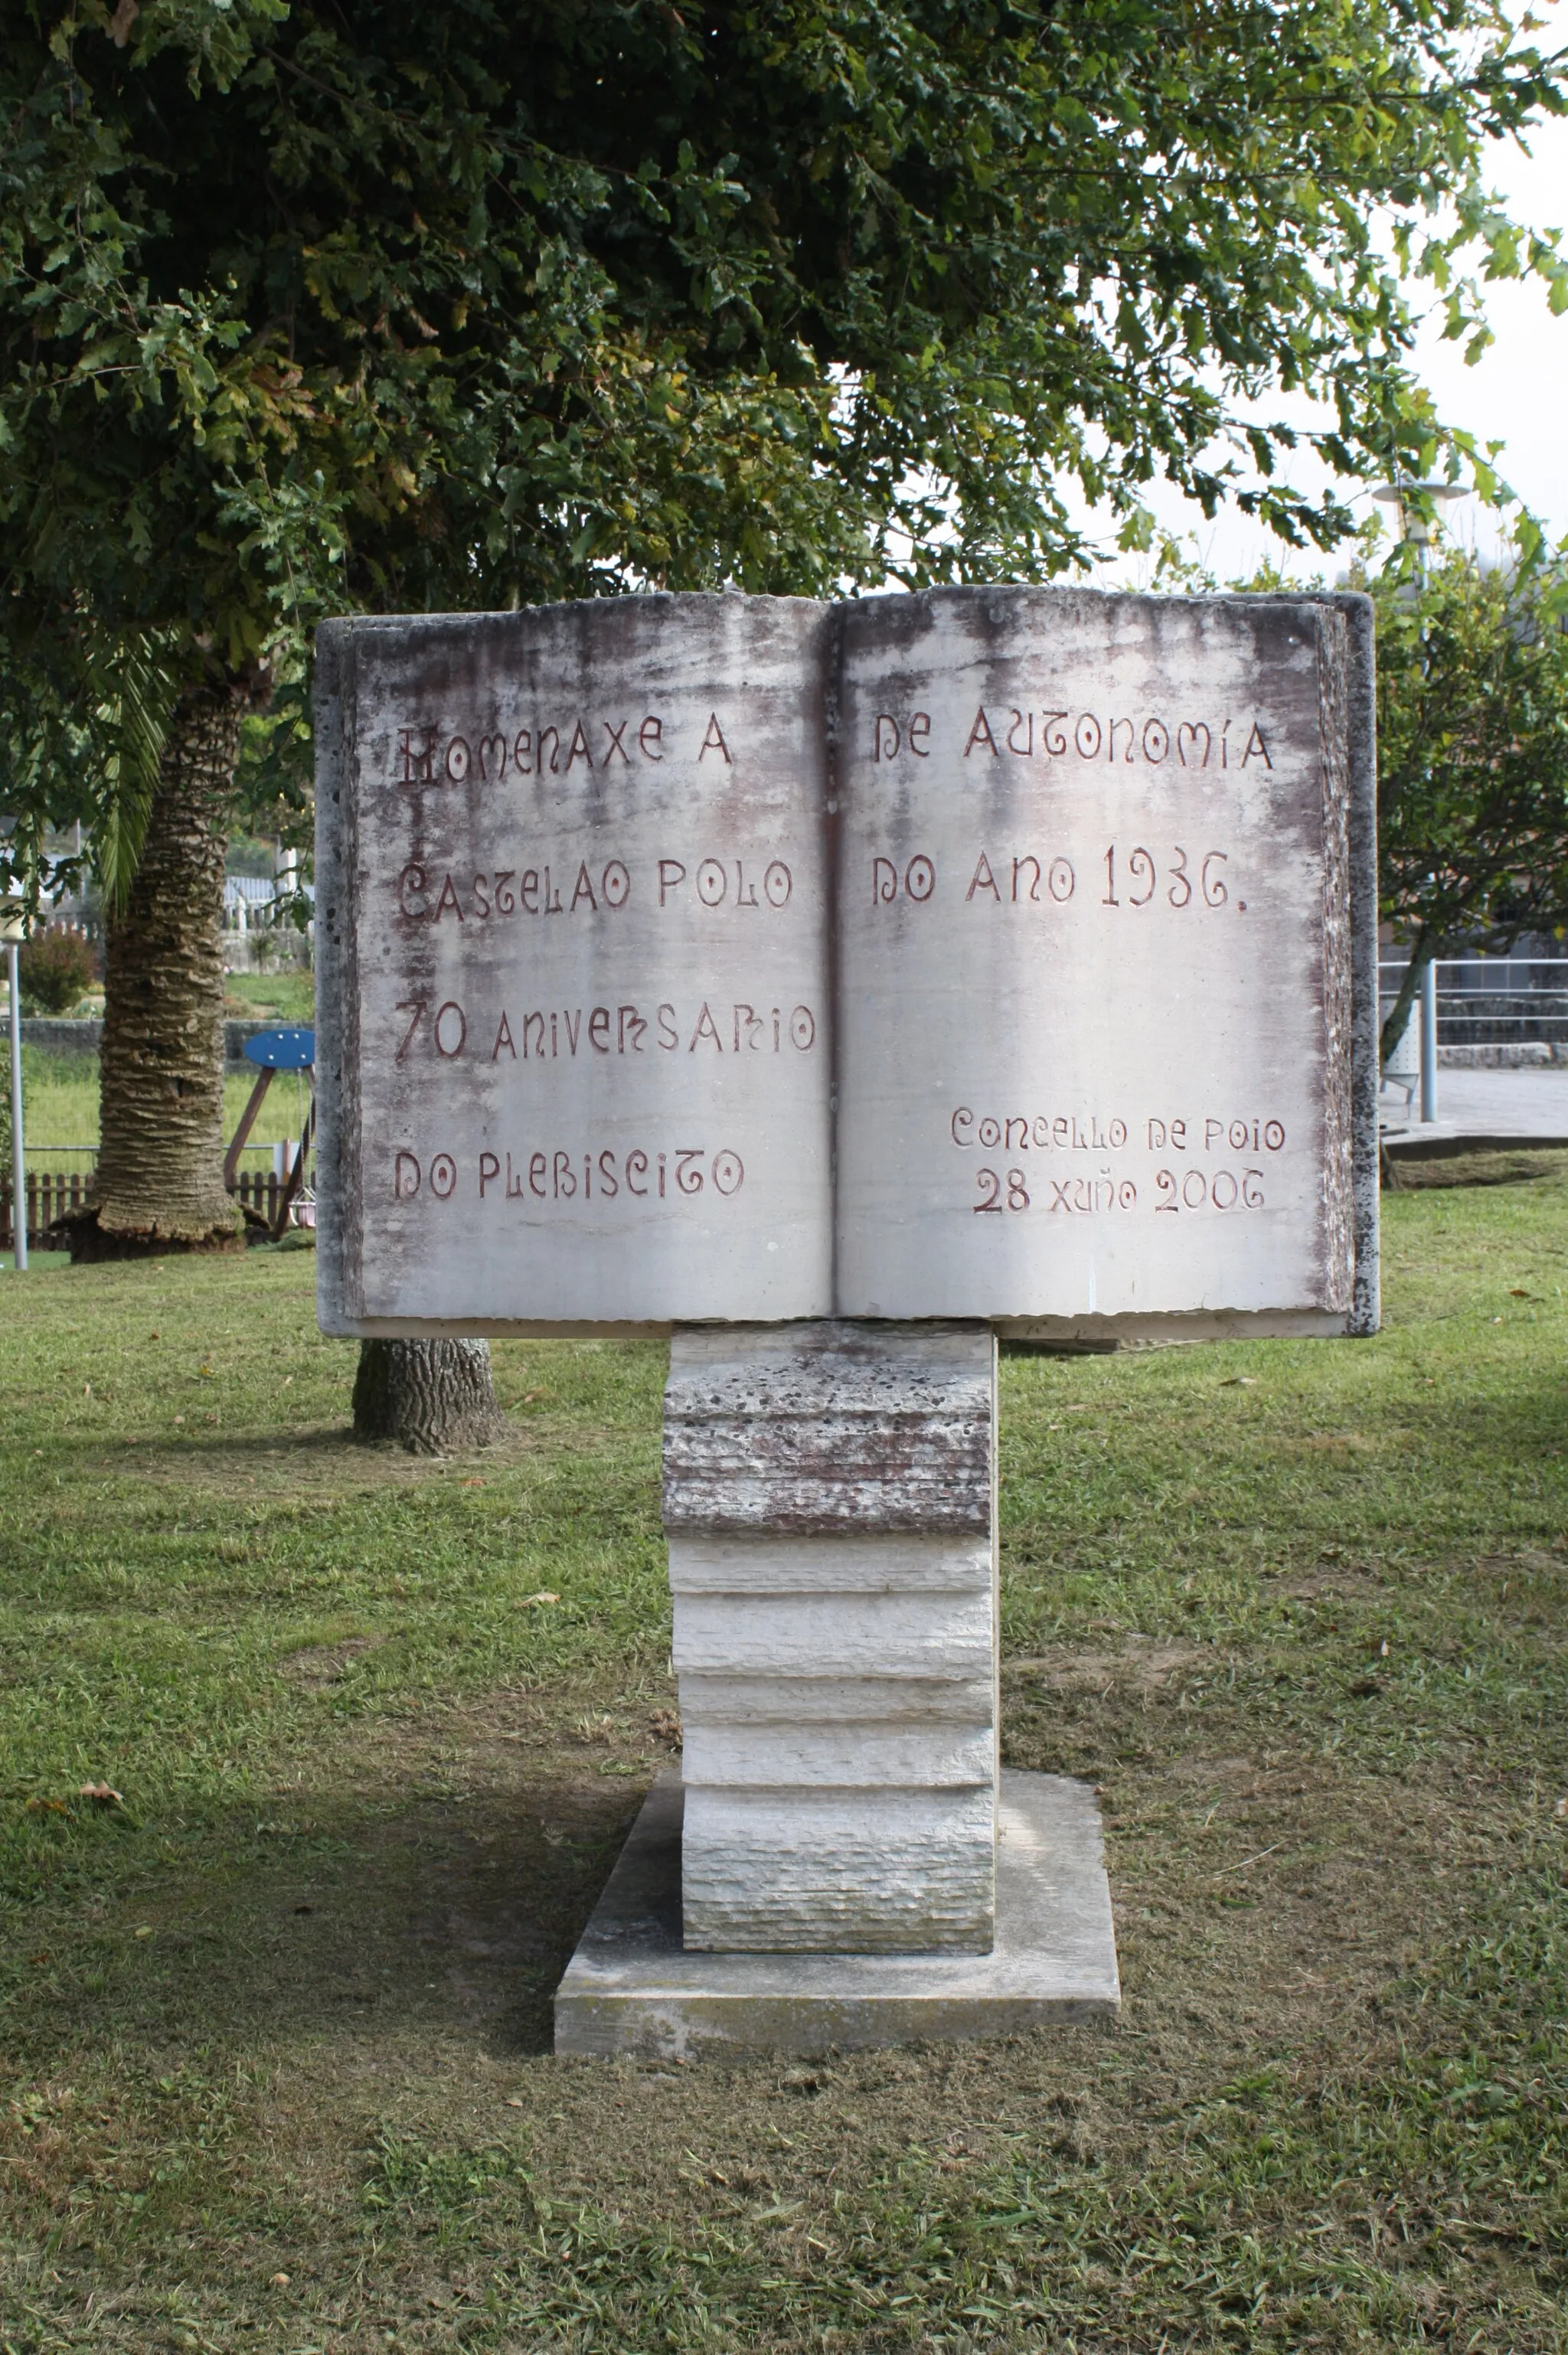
x: 56, y: 971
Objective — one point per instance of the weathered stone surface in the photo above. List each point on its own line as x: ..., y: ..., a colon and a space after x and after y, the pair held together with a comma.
x: 829, y: 1499
x: 634, y: 1986
x: 827, y: 1426
x: 571, y: 908
x: 1046, y: 918
x: 1095, y: 972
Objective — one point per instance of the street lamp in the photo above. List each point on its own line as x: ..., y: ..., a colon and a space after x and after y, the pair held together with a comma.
x: 13, y: 932
x: 1405, y: 498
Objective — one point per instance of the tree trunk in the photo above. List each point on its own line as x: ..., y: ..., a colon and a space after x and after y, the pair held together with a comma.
x: 159, y: 1185
x: 432, y: 1397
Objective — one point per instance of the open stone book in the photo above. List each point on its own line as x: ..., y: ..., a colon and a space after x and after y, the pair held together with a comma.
x: 995, y: 954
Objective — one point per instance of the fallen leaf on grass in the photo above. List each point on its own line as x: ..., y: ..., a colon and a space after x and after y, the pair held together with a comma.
x: 279, y: 2281
x: 102, y: 1795
x: 544, y: 1596
x: 49, y: 1807
x: 145, y: 1932
x: 665, y: 1726
x: 1239, y: 1383
x: 40, y: 1958
x: 471, y: 1484
x: 528, y: 1398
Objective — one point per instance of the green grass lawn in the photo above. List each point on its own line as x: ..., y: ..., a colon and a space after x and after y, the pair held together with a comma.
x: 276, y: 2028
x: 59, y: 1107
x: 287, y: 995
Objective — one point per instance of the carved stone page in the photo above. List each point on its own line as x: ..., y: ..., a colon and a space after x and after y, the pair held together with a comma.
x: 572, y: 920
x: 1093, y: 958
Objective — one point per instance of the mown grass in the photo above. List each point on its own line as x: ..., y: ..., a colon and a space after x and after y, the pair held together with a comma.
x: 59, y: 1107
x: 277, y: 2019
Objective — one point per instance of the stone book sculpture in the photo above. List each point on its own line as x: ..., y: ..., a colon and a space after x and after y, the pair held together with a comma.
x: 983, y: 953
x: 836, y: 988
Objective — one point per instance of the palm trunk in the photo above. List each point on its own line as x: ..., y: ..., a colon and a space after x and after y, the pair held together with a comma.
x: 432, y: 1397
x: 159, y: 1185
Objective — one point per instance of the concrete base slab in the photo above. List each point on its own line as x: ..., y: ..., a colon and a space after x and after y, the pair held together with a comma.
x: 632, y: 1986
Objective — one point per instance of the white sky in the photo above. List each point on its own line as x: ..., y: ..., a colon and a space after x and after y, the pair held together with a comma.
x: 1517, y: 393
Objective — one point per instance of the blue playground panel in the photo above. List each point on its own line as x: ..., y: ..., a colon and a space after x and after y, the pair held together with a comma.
x: 282, y: 1050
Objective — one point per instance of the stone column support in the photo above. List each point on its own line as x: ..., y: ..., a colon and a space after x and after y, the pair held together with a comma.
x: 829, y: 1498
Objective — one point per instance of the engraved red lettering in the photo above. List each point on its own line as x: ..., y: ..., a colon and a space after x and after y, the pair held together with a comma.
x: 752, y: 1023
x: 489, y: 1168
x: 405, y: 1178
x: 1255, y: 745
x: 981, y: 734
x: 583, y: 890
x: 714, y: 740
x: 884, y: 737
x: 706, y: 1029
x: 578, y: 750
x: 443, y: 1177
x: 984, y: 881
x: 629, y: 1023
x: 411, y: 879
x: 671, y: 872
x: 504, y: 1038
x: 636, y: 1166
x: 616, y: 884
x: 416, y: 762
x: 687, y: 1176
x: 506, y: 900
x: 452, y: 1006
x: 649, y: 735
x: 481, y: 905
x: 458, y: 760
x: 920, y: 726
x: 669, y: 1037
x: 599, y: 1029
x: 884, y: 882
x: 615, y: 744
x: 416, y: 1006
x: 448, y: 899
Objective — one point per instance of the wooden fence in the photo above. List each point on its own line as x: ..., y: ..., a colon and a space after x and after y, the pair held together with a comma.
x: 51, y: 1193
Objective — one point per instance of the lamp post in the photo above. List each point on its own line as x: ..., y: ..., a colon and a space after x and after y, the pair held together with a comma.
x: 13, y: 932
x: 1410, y: 501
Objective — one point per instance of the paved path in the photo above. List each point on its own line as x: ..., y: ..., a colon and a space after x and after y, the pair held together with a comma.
x: 1487, y: 1103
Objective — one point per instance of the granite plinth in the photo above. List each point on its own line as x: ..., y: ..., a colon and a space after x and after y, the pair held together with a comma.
x: 632, y: 1986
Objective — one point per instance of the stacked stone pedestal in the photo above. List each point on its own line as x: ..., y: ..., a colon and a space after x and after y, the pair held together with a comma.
x: 827, y: 1871
x: 828, y: 1498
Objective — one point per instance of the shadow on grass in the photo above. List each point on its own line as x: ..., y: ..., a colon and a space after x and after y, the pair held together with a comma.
x: 443, y: 1920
